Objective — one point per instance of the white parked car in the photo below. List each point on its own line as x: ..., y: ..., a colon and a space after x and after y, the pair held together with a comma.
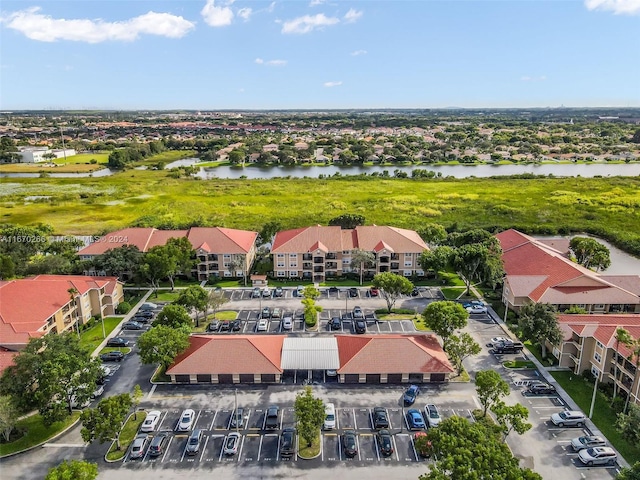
x: 263, y: 325
x: 98, y: 391
x: 287, y: 323
x: 150, y: 423
x: 587, y: 441
x: 432, y: 415
x: 186, y: 420
x: 231, y: 443
x: 598, y: 456
x: 568, y: 418
x: 476, y: 309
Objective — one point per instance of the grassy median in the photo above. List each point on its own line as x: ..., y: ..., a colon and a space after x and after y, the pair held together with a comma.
x: 128, y: 433
x: 30, y: 431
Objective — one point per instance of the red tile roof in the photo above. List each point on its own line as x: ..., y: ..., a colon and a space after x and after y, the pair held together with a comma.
x: 6, y: 359
x: 228, y: 355
x: 389, y: 353
x: 222, y: 240
x: 602, y: 327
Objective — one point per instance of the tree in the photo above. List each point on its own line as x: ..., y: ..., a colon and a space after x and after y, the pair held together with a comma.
x: 490, y: 387
x: 234, y: 265
x: 268, y: 231
x: 624, y: 337
x: 539, y: 323
x: 73, y: 293
x: 468, y: 260
x: 629, y: 424
x: 136, y: 398
x: 636, y: 137
x: 22, y: 242
x: 347, y: 221
x: 193, y: 297
x: 433, y: 234
x: 309, y: 414
x: 361, y: 259
x: 437, y: 259
x: 511, y: 418
x: 391, y: 286
x: 104, y: 422
x: 311, y: 292
x: 215, y: 299
x: 8, y: 416
x: 444, y: 318
x: 73, y: 470
x: 7, y: 267
x: 119, y: 261
x: 472, y: 451
x: 157, y: 264
x: 49, y: 373
x: 162, y: 344
x: 174, y: 316
x: 633, y: 472
x: 460, y: 347
x: 590, y: 253
x: 311, y: 311
x: 182, y: 254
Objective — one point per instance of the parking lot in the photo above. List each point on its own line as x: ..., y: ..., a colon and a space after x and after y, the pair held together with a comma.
x: 335, y: 293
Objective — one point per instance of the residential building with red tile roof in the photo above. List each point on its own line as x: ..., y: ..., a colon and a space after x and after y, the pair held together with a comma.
x: 537, y: 272
x: 215, y: 247
x: 590, y: 343
x: 319, y: 252
x: 37, y: 306
x: 384, y: 358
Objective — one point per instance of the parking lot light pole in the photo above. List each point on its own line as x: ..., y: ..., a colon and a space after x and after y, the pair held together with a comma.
x: 235, y: 412
x: 593, y: 398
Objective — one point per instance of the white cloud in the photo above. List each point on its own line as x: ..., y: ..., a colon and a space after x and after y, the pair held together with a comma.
x: 44, y: 28
x: 332, y: 84
x: 245, y: 13
x: 352, y: 15
x: 315, y: 3
x: 357, y: 53
x: 271, y: 7
x: 217, y: 16
x: 619, y: 7
x: 271, y: 63
x: 527, y: 78
x: 308, y: 23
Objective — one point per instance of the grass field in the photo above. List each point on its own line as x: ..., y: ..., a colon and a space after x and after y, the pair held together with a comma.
x: 83, y: 158
x: 44, y: 169
x: 92, y: 337
x: 127, y: 435
x: 35, y: 432
x: 607, y: 206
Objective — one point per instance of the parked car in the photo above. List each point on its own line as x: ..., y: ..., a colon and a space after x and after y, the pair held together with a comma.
x: 568, y: 418
x: 353, y: 292
x: 99, y: 390
x: 236, y: 325
x: 598, y: 456
x: 272, y: 420
x: 266, y: 292
x: 472, y: 303
x: 410, y: 394
x: 477, y: 309
x: 139, y: 446
x: 357, y: 312
x: 432, y: 415
x: 148, y: 306
x: 214, y: 326
x: 384, y: 442
x: 276, y: 313
x: 332, y: 373
x: 288, y: 442
x: 374, y: 292
x: 256, y: 293
x: 424, y: 450
x: 287, y: 323
x: 415, y: 420
x: 329, y: 416
x: 150, y: 423
x: 333, y: 290
x: 225, y: 325
x: 496, y: 340
x: 415, y: 292
x: 262, y: 326
x: 266, y: 313
x: 508, y: 347
x: 541, y: 389
x: 335, y: 323
x: 349, y: 444
x: 114, y: 356
x: 142, y: 320
x: 193, y: 443
x: 186, y: 420
x: 231, y: 443
x: 237, y: 419
x: 144, y: 313
x: 360, y: 326
x: 587, y: 441
x: 380, y: 418
x: 158, y: 444
x: 299, y: 291
x: 278, y: 292
x: 132, y: 326
x: 117, y: 342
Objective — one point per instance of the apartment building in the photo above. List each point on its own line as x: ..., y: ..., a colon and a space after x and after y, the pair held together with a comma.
x: 320, y: 252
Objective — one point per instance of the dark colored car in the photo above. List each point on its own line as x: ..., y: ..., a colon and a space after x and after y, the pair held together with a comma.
x: 335, y: 323
x: 360, y: 326
x: 139, y: 319
x: 272, y: 419
x: 131, y: 326
x: 541, y: 389
x: 349, y: 444
x: 144, y: 313
x: 158, y: 444
x: 278, y: 292
x: 380, y: 418
x: 214, y: 326
x: 237, y: 419
x: 256, y: 293
x: 225, y: 326
x: 410, y: 395
x: 266, y: 313
x: 353, y: 292
x: 415, y: 292
x: 333, y: 290
x: 288, y: 442
x: 115, y: 356
x: 508, y: 347
x: 194, y: 441
x: 117, y: 342
x: 236, y: 325
x: 384, y: 442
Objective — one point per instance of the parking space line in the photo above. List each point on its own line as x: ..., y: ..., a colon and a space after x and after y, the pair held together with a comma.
x: 358, y: 442
x: 184, y: 451
x: 214, y: 420
x: 260, y: 447
x: 395, y: 447
x: 162, y: 420
x: 389, y: 416
x: 402, y: 326
x: 355, y: 423
x: 197, y: 417
x: 206, y: 440
x: 413, y: 447
x: 375, y: 442
x: 166, y: 450
x: 240, y: 449
x: 224, y: 441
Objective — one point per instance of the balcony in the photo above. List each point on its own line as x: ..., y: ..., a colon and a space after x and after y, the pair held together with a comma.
x: 307, y: 256
x: 202, y: 258
x: 395, y: 256
x: 318, y: 269
x: 213, y: 258
x: 318, y: 259
x: 395, y: 266
x: 384, y: 259
x: 331, y: 256
x: 331, y: 265
x: 307, y: 266
x: 575, y: 359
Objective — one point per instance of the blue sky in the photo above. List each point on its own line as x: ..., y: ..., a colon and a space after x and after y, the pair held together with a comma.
x: 214, y: 54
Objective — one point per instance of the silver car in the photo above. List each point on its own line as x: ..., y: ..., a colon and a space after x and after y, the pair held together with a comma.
x: 598, y: 456
x: 587, y: 441
x: 231, y: 443
x: 287, y: 323
x: 568, y: 418
x: 139, y: 446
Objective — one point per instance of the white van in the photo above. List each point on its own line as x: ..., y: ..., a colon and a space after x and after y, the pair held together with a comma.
x: 329, y: 416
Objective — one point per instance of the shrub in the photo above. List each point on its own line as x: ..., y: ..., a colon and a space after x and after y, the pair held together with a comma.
x: 123, y: 308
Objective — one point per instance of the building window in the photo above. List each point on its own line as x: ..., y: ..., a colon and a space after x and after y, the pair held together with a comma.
x: 408, y: 255
x: 407, y: 263
x: 227, y: 273
x: 294, y: 264
x: 346, y: 252
x: 598, y: 306
x: 594, y: 371
x: 346, y: 261
x: 281, y: 273
x: 280, y: 255
x: 227, y: 256
x: 599, y: 345
x: 280, y: 264
x: 293, y: 273
x: 598, y: 357
x: 407, y: 273
x: 293, y: 255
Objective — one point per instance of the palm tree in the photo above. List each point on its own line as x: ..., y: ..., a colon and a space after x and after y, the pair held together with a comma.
x: 362, y: 258
x: 622, y: 336
x: 74, y: 314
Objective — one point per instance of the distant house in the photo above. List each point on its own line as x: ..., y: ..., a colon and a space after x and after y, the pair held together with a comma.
x: 216, y: 248
x: 42, y: 154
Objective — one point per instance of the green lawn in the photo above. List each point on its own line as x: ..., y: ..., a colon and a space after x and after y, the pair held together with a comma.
x: 127, y: 435
x: 83, y: 158
x: 125, y: 350
x: 537, y: 352
x: 92, y: 337
x: 35, y: 432
x: 168, y: 157
x: 309, y: 452
x: 603, y: 417
x: 164, y: 296
x: 519, y: 364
